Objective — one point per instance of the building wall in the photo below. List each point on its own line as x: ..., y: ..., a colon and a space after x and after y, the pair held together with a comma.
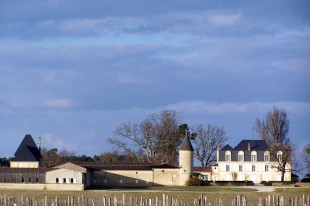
x: 64, y: 176
x: 166, y: 177
x: 22, y: 178
x: 186, y: 166
x: 56, y: 187
x: 24, y: 164
x: 247, y: 174
x: 122, y: 178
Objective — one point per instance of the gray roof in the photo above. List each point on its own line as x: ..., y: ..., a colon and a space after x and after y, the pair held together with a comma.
x: 123, y: 166
x: 27, y: 150
x: 227, y: 147
x: 257, y: 145
x: 186, y: 145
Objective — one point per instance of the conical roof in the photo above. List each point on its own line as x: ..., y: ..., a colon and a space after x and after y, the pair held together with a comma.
x: 27, y: 150
x: 186, y: 144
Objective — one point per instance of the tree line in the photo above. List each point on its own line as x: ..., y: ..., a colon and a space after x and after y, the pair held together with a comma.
x: 157, y: 139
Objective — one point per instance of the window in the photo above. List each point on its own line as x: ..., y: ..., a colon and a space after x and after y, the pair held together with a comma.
x: 279, y: 156
x: 174, y: 177
x: 227, y: 168
x: 29, y: 179
x: 137, y: 181
x: 121, y: 181
x: 95, y: 181
x: 240, y: 156
x: 65, y: 180
x: 266, y: 156
x: 253, y: 156
x: 71, y: 180
x: 266, y: 168
x: 253, y: 168
x: 227, y: 156
x: 240, y: 168
x: 105, y: 181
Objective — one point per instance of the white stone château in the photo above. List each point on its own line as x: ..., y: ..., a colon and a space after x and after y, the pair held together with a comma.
x: 250, y: 160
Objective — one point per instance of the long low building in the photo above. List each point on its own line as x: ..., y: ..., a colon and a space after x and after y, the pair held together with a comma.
x: 250, y: 160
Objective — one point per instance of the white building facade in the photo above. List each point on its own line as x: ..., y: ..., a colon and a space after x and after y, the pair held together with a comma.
x: 250, y: 160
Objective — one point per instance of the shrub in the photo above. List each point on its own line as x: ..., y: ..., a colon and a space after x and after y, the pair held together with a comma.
x: 194, y: 181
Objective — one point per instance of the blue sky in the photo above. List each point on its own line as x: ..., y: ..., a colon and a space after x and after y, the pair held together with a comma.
x: 71, y: 71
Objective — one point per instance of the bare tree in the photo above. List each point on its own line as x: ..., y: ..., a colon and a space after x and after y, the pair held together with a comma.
x: 274, y: 130
x: 155, y: 139
x: 205, y: 141
x: 306, y: 156
x: 166, y: 127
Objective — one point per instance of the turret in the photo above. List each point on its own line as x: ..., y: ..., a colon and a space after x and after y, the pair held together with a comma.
x: 186, y: 159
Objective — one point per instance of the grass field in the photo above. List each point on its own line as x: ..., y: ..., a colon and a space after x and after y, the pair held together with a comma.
x: 186, y: 194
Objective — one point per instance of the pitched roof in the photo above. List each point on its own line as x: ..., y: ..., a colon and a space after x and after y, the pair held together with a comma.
x: 227, y: 147
x: 202, y: 169
x: 258, y: 145
x: 186, y: 145
x: 122, y: 166
x: 27, y: 150
x: 24, y: 170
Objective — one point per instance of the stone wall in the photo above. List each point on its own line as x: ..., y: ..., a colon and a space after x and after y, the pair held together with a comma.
x: 122, y: 178
x: 167, y: 177
x: 64, y: 176
x: 56, y: 187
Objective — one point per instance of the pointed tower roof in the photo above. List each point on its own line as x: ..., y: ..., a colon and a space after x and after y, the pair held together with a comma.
x: 27, y: 150
x: 186, y: 144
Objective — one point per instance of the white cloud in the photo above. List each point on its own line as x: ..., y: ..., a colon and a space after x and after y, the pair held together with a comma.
x: 224, y: 20
x: 227, y: 107
x: 49, y: 141
x: 123, y: 78
x: 58, y: 103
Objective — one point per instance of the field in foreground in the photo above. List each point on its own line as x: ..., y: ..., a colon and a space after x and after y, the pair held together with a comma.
x: 184, y: 194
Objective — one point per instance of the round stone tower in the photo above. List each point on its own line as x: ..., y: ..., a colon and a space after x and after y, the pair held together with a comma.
x: 186, y: 159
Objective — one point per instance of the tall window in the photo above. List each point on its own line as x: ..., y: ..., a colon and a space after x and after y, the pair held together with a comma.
x: 266, y: 156
x: 227, y: 168
x: 240, y: 156
x: 253, y: 156
x: 266, y: 168
x: 240, y: 168
x: 253, y: 168
x: 279, y: 156
x: 227, y: 156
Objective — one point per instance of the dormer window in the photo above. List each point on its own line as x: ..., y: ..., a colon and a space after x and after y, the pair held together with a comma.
x: 279, y: 156
x: 240, y: 156
x: 227, y: 156
x: 254, y: 156
x: 266, y: 156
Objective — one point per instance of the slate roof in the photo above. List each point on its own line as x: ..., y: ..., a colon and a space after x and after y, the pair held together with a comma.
x: 123, y: 166
x: 202, y: 169
x: 25, y: 170
x: 227, y: 147
x: 27, y: 150
x: 186, y: 145
x: 257, y: 145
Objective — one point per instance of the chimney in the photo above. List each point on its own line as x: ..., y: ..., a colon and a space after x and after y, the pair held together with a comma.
x: 217, y: 152
x: 40, y: 142
x: 249, y: 146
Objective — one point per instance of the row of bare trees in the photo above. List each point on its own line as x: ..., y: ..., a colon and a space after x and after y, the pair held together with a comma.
x: 157, y: 138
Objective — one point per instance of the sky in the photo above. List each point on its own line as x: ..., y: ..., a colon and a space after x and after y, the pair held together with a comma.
x: 71, y: 71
